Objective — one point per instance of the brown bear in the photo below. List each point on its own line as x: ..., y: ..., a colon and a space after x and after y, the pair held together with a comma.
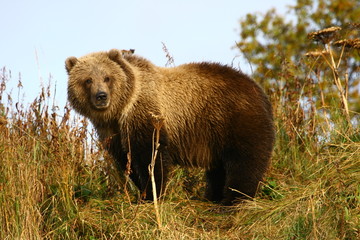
x: 215, y: 117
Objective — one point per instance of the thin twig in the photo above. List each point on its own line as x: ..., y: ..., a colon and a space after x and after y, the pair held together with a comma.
x: 157, y: 122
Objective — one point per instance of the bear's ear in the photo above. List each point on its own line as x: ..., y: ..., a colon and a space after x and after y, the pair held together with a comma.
x: 115, y: 55
x: 70, y: 63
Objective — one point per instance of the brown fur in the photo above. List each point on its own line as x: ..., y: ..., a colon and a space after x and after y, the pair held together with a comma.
x: 215, y: 117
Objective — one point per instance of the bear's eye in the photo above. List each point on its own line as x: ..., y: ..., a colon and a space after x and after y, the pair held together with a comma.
x: 106, y: 79
x: 88, y: 81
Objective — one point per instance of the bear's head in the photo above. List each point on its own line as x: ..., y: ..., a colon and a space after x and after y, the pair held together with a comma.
x: 99, y: 84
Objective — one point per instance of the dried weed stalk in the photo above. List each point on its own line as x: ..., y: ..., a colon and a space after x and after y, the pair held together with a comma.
x: 157, y: 122
x: 326, y: 37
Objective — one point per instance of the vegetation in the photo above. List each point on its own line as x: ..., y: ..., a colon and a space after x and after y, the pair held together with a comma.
x: 276, y: 48
x: 56, y: 182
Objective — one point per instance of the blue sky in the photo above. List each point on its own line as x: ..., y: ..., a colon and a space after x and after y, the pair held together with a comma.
x: 38, y: 35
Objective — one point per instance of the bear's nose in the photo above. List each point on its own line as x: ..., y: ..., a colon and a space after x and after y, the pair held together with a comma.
x: 101, y: 96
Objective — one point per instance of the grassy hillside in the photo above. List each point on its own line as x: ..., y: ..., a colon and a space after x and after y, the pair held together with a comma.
x: 57, y: 183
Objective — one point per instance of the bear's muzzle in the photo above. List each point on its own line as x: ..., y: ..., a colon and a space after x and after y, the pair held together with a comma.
x: 102, y: 100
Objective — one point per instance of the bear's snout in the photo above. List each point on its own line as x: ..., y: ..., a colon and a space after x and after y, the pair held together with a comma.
x: 101, y: 100
x: 101, y: 96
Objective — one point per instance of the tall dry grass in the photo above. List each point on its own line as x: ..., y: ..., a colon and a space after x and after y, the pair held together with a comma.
x: 57, y: 183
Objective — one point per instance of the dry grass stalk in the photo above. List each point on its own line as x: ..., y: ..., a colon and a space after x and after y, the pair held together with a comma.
x: 128, y: 170
x: 342, y: 92
x: 158, y: 123
x: 326, y: 36
x: 170, y: 59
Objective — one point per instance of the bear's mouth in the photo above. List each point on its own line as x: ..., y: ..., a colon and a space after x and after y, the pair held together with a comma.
x: 102, y: 105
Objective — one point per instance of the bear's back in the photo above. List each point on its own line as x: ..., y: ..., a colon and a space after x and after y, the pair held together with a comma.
x: 196, y: 87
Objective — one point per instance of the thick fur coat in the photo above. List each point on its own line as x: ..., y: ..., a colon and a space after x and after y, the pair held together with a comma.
x: 215, y: 117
